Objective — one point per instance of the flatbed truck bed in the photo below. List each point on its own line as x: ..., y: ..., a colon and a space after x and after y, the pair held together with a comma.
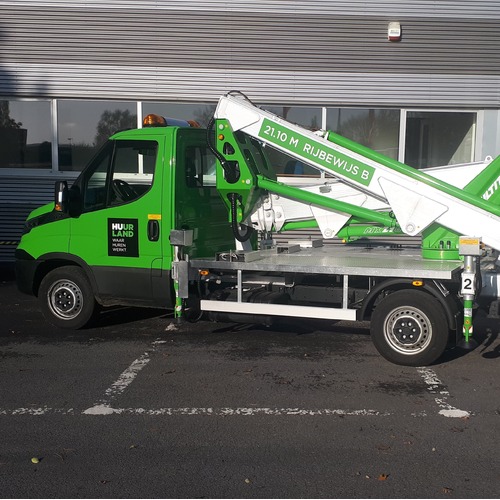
x: 336, y: 260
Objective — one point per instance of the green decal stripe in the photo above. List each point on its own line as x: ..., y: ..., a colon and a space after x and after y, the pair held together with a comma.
x: 321, y: 154
x: 464, y: 195
x: 316, y: 152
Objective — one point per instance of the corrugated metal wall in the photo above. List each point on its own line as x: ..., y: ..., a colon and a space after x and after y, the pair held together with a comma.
x: 18, y: 197
x: 322, y: 52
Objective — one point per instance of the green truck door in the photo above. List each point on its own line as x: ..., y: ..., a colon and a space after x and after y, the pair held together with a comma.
x: 196, y: 203
x: 119, y: 233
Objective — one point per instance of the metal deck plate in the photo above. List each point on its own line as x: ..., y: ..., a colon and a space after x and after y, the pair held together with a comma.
x: 402, y: 263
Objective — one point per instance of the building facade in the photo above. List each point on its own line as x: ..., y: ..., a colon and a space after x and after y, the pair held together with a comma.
x: 72, y: 72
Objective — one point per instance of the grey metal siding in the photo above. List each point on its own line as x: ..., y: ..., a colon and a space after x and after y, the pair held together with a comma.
x: 326, y: 52
x: 18, y: 197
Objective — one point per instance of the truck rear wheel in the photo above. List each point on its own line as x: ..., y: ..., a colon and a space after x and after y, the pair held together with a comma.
x: 66, y: 298
x: 409, y: 327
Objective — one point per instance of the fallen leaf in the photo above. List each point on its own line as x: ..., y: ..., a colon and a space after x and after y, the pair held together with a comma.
x: 383, y: 477
x: 447, y: 490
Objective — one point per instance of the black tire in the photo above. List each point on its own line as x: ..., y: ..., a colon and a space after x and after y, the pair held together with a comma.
x: 409, y: 327
x: 66, y: 298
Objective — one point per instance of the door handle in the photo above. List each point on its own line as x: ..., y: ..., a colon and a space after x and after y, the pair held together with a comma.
x: 153, y: 230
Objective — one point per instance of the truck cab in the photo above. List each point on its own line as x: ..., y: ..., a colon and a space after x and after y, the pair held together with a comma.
x: 105, y: 240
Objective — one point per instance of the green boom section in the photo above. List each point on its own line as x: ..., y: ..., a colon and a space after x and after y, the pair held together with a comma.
x: 487, y: 184
x: 344, y: 165
x: 464, y: 195
x: 349, y: 161
x: 295, y: 193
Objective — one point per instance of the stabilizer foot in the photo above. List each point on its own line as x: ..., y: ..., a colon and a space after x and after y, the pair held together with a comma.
x: 468, y: 345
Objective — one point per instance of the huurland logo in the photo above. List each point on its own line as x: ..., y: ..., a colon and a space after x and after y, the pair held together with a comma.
x: 119, y: 229
x: 315, y: 151
x: 123, y: 238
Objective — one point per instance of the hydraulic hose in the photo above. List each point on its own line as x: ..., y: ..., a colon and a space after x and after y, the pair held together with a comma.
x: 233, y: 198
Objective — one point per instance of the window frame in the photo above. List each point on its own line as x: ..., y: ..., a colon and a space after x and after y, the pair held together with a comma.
x: 55, y: 171
x: 109, y: 151
x: 475, y: 149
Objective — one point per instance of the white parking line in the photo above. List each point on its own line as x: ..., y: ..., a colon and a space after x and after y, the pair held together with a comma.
x: 435, y: 386
x: 117, y: 388
x: 103, y: 407
x: 224, y: 412
x: 44, y: 410
x: 216, y: 412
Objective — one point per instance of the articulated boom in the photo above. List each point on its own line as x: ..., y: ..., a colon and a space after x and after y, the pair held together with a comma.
x: 419, y: 203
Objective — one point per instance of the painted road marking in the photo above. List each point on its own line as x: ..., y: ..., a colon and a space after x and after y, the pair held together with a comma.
x: 224, y: 412
x: 103, y: 407
x: 44, y: 410
x: 117, y: 388
x: 435, y: 386
x: 217, y: 412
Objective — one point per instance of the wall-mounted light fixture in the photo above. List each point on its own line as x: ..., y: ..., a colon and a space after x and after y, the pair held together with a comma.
x: 394, y: 31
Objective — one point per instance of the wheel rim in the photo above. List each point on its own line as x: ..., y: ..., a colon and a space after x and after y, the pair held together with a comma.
x: 65, y: 299
x: 408, y: 330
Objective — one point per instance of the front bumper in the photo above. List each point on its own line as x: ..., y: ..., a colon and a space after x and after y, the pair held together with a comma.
x: 26, y: 267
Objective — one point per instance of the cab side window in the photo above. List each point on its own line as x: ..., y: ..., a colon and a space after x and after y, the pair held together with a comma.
x: 199, y: 166
x: 122, y: 172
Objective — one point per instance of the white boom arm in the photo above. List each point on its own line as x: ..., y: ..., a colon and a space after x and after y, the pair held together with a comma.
x: 416, y: 199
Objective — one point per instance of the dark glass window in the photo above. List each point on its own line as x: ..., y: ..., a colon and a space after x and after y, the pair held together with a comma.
x: 121, y: 173
x: 25, y: 134
x: 84, y: 126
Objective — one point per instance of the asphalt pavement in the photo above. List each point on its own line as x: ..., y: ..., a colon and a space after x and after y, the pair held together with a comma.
x: 142, y: 407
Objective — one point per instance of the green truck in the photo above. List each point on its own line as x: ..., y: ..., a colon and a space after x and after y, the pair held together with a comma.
x: 175, y: 216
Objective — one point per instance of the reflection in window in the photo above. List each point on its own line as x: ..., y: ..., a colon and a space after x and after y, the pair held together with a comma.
x: 309, y: 118
x: 83, y: 126
x: 199, y: 166
x: 121, y: 173
x: 439, y: 138
x: 25, y: 136
x: 200, y: 112
x: 377, y: 129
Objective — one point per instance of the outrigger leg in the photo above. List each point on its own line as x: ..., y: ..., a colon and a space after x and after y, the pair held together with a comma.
x: 470, y: 248
x: 180, y: 271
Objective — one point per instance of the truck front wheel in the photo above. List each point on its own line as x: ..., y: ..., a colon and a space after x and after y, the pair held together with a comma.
x: 409, y: 327
x: 66, y: 298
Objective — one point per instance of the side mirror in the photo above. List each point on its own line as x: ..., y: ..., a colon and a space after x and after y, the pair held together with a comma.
x: 61, y: 196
